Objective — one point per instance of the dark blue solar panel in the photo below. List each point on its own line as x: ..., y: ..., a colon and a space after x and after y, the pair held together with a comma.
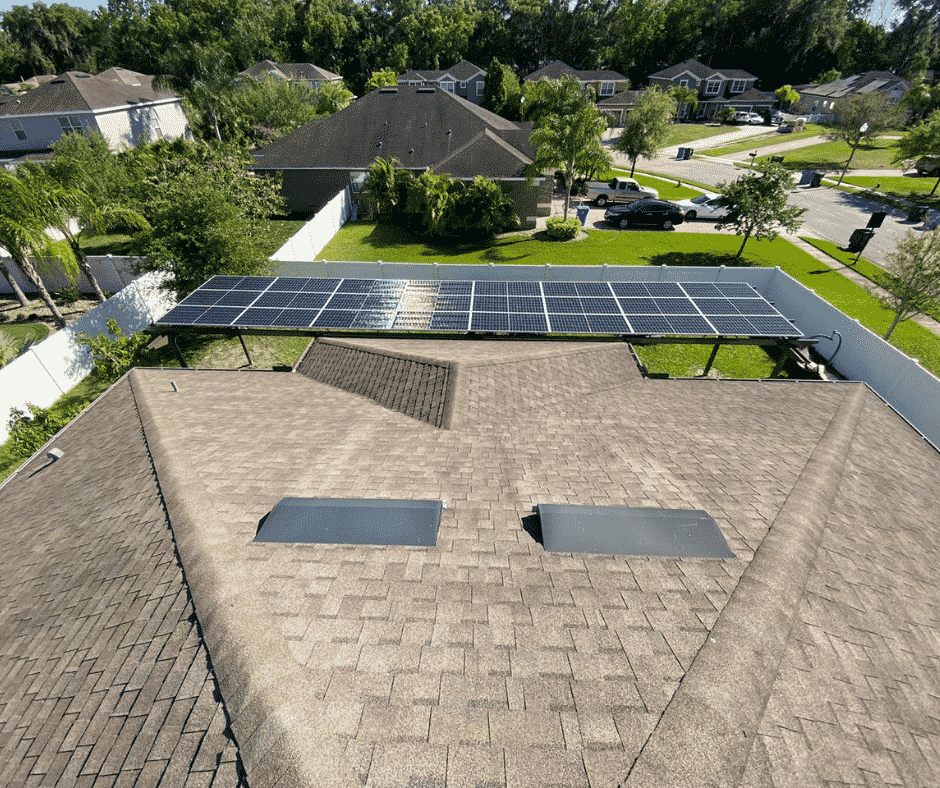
x: 458, y: 287
x: 600, y: 306
x: 526, y: 304
x: 259, y: 317
x: 272, y: 299
x: 701, y: 290
x: 530, y: 322
x: 676, y: 306
x: 563, y: 305
x: 593, y: 289
x: 753, y: 306
x: 346, y: 301
x: 731, y: 324
x: 387, y: 286
x: 630, y: 289
x: 450, y: 321
x: 335, y: 318
x: 290, y: 284
x: 715, y: 306
x: 220, y: 315
x: 773, y: 326
x: 222, y: 282
x: 689, y: 324
x: 381, y: 302
x: 182, y: 315
x: 650, y: 324
x: 238, y: 298
x: 559, y: 288
x: 490, y: 303
x: 368, y: 318
x: 254, y: 283
x: 297, y: 318
x: 309, y: 300
x: 524, y: 289
x: 321, y: 285
x: 412, y: 321
x: 735, y: 289
x: 202, y: 298
x: 639, y: 306
x: 490, y: 288
x: 453, y: 303
x: 664, y: 290
x: 489, y: 321
x: 355, y: 286
x: 569, y: 324
x: 607, y: 324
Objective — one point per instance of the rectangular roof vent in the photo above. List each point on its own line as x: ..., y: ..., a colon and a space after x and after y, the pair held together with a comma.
x: 675, y: 533
x: 425, y: 90
x: 376, y: 521
x: 388, y: 90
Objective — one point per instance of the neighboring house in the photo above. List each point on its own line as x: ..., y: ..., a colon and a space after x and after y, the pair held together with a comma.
x: 11, y: 88
x: 821, y: 99
x: 122, y: 105
x: 131, y: 578
x: 619, y: 105
x: 604, y: 83
x: 421, y: 127
x: 464, y: 79
x: 301, y: 73
x: 717, y: 88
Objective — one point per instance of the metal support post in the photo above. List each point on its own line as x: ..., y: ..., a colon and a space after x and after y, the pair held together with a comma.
x: 778, y: 367
x: 179, y: 353
x: 244, y: 347
x: 711, y: 359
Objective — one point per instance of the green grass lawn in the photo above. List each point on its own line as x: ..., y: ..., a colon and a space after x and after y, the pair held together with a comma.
x: 14, y: 335
x: 914, y: 189
x: 667, y: 188
x: 280, y: 230
x: 772, y: 137
x: 732, y: 361
x: 117, y: 244
x: 833, y: 154
x: 681, y: 133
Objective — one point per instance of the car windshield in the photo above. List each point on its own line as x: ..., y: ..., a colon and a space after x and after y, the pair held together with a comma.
x: 700, y: 200
x: 612, y: 184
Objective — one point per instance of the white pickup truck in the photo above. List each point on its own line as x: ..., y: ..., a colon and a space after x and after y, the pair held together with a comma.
x: 617, y: 190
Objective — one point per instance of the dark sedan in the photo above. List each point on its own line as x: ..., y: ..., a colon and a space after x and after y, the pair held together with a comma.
x: 651, y: 213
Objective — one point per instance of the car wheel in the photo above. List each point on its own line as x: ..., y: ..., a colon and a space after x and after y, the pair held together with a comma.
x: 601, y: 201
x: 691, y: 215
x: 667, y: 224
x: 624, y: 222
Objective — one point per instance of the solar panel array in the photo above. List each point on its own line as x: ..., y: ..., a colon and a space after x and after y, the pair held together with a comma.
x: 622, y: 308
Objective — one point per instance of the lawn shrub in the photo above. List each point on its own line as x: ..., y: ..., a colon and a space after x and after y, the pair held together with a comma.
x: 114, y: 353
x: 559, y: 229
x: 66, y: 296
x: 31, y: 428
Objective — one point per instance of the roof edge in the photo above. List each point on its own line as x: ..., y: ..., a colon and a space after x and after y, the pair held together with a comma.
x: 723, y: 695
x: 272, y: 705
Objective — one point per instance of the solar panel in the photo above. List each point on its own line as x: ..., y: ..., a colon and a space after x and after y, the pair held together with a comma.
x: 666, y: 308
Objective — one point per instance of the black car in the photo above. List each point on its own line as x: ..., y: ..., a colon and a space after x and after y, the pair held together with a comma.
x: 655, y: 213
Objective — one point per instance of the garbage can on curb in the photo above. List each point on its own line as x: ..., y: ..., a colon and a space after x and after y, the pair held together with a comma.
x: 688, y: 153
x: 859, y: 239
x: 817, y: 180
x: 877, y: 219
x: 680, y: 154
x: 916, y: 214
x: 581, y: 211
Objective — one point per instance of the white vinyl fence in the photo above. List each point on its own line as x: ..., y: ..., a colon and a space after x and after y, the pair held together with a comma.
x: 112, y: 273
x: 51, y: 368
x: 309, y: 241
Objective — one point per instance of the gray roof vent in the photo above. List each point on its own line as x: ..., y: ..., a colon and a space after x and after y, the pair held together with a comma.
x: 425, y: 90
x: 388, y: 90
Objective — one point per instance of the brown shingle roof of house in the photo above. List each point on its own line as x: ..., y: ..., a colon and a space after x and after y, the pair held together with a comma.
x: 857, y: 83
x: 625, y: 98
x: 556, y: 69
x: 462, y: 72
x: 420, y: 126
x: 292, y: 71
x: 486, y: 659
x: 701, y: 71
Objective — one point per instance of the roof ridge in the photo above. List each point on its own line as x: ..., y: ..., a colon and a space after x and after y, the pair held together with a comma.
x: 727, y: 687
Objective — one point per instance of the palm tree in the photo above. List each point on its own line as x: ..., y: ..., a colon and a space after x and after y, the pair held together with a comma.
x: 202, y: 75
x: 24, y: 218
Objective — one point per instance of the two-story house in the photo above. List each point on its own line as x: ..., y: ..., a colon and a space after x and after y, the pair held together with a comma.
x: 716, y: 88
x: 604, y: 83
x: 301, y: 73
x: 463, y: 79
x: 821, y: 99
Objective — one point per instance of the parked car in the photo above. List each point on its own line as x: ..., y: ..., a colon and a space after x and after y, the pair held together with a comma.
x: 742, y: 117
x: 655, y: 213
x: 929, y: 166
x: 774, y: 118
x: 616, y: 190
x: 704, y: 207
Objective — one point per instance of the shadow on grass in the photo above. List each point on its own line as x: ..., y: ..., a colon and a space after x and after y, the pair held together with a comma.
x: 387, y: 236
x: 705, y: 259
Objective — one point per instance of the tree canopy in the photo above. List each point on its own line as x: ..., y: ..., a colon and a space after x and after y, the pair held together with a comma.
x: 914, y: 272
x: 647, y: 126
x: 922, y: 140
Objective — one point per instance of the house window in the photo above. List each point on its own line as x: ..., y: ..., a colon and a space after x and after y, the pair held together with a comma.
x: 415, y: 82
x: 315, y: 85
x: 683, y: 83
x: 479, y: 87
x: 448, y: 86
x: 69, y: 123
x: 153, y: 127
x: 463, y: 85
x: 738, y: 86
x: 607, y: 88
x: 712, y: 87
x: 18, y: 128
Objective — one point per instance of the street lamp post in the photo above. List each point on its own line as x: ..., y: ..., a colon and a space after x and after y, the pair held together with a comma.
x: 861, y: 131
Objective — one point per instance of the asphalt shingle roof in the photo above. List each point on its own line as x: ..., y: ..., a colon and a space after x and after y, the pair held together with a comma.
x: 701, y: 71
x: 293, y: 71
x: 810, y: 657
x: 556, y: 69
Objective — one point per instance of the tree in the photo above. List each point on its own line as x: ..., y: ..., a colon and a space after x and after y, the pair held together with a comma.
x: 647, y: 126
x: 757, y: 204
x: 23, y: 222
x: 914, y: 271
x: 558, y: 97
x: 862, y: 117
x: 827, y: 76
x: 332, y: 97
x: 922, y: 98
x: 787, y: 96
x: 256, y: 112
x: 571, y: 142
x: 725, y: 115
x: 202, y: 75
x: 687, y: 96
x: 501, y: 91
x: 380, y: 79
x: 922, y: 140
x: 51, y: 39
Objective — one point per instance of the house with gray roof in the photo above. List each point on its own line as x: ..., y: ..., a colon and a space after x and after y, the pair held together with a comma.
x: 619, y: 105
x: 717, y: 88
x: 121, y: 105
x: 421, y: 127
x: 822, y: 98
x: 604, y: 83
x: 133, y: 583
x: 463, y: 79
x: 300, y: 73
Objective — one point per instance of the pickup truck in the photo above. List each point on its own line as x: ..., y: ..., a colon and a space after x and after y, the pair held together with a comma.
x: 617, y: 190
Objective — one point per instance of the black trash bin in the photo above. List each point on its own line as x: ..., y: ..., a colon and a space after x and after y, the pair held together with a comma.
x: 688, y: 153
x: 917, y: 214
x: 582, y: 213
x: 777, y: 159
x: 877, y: 219
x: 817, y: 180
x: 859, y: 239
x: 680, y: 154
